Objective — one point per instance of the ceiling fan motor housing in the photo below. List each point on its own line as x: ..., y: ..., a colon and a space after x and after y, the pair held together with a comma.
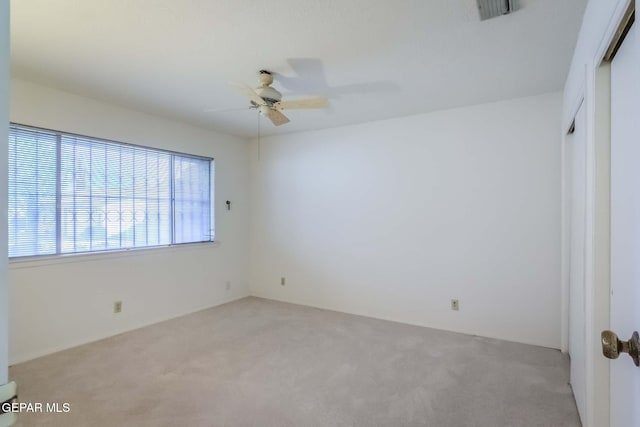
x: 269, y: 94
x: 266, y: 92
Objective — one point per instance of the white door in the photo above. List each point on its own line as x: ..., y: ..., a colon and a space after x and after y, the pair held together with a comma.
x: 625, y: 225
x: 576, y: 151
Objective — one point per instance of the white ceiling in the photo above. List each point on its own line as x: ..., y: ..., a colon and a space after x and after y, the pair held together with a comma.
x: 373, y: 59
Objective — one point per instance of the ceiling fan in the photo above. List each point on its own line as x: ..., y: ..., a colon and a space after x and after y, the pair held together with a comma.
x: 268, y: 101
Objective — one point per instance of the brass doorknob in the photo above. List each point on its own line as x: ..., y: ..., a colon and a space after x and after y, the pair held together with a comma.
x: 612, y: 346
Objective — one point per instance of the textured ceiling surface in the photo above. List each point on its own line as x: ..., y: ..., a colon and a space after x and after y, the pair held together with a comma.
x: 373, y: 59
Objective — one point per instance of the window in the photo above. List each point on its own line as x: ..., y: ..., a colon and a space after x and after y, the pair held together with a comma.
x: 70, y: 194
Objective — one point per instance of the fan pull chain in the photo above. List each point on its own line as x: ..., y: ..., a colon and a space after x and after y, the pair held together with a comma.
x: 258, y: 135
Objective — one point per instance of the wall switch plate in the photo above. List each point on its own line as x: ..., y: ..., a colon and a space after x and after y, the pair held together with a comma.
x: 227, y: 285
x: 117, y: 306
x: 455, y: 305
x: 282, y: 281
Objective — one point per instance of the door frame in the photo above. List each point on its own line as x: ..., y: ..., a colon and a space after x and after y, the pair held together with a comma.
x: 572, y: 146
x: 596, y: 94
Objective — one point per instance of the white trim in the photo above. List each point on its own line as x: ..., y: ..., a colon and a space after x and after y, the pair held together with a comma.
x: 596, y: 395
x: 589, y: 242
x: 565, y: 221
x: 602, y: 239
x: 571, y: 109
x: 39, y: 261
x: 597, y: 374
x: 4, y: 163
x: 564, y: 262
x: 607, y: 37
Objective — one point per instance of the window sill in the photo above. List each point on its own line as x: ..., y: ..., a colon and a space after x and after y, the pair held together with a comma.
x: 38, y: 261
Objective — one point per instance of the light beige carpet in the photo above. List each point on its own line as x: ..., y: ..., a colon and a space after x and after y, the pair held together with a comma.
x: 256, y: 362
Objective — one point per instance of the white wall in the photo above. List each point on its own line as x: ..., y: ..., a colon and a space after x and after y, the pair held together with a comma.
x: 392, y: 219
x: 4, y: 120
x: 63, y: 302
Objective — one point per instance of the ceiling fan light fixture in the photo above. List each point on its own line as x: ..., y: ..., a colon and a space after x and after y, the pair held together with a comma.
x: 269, y: 94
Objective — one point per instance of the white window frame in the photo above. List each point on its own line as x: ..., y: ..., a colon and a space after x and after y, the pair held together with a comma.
x: 123, y: 250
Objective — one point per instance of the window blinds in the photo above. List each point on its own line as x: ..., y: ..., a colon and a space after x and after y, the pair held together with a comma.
x: 32, y: 192
x: 73, y: 194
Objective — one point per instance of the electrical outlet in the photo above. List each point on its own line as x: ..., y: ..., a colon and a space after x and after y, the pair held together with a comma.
x: 455, y: 305
x: 282, y: 282
x: 227, y: 285
x: 117, y: 306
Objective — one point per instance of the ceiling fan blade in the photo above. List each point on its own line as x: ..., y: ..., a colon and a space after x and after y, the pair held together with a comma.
x: 249, y: 93
x: 277, y: 118
x: 295, y: 104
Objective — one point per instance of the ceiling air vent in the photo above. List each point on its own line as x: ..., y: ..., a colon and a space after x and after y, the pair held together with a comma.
x: 494, y: 8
